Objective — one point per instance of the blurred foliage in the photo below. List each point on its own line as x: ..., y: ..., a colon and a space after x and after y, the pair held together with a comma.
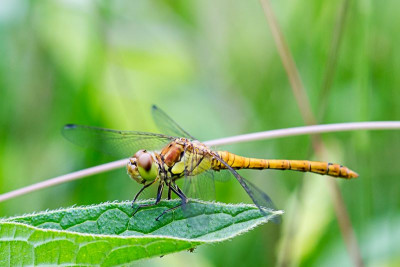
x: 214, y: 68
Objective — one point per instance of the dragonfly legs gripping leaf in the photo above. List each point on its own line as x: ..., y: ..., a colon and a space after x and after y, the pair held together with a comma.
x: 169, y: 192
x: 158, y: 199
x: 172, y: 187
x: 168, y: 210
x: 140, y: 191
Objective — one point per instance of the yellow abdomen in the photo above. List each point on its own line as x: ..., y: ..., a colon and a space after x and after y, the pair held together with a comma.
x: 324, y: 168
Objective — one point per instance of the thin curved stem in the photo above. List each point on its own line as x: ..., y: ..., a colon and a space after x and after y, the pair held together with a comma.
x: 64, y: 178
x: 306, y: 130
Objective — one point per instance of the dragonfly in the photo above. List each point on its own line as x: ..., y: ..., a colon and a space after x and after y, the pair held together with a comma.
x: 163, y: 159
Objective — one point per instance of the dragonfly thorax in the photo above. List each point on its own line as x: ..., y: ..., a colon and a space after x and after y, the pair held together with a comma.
x: 183, y: 157
x: 143, y: 167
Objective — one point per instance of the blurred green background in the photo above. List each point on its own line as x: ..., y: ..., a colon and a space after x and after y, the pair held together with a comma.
x: 214, y: 68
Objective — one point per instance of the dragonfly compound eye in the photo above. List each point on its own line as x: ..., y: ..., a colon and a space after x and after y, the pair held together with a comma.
x: 148, y: 169
x: 139, y: 153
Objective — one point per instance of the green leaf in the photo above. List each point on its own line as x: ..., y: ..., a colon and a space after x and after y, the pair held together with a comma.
x: 107, y: 234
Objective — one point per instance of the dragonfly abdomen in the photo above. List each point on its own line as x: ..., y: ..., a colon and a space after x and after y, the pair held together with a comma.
x: 324, y: 168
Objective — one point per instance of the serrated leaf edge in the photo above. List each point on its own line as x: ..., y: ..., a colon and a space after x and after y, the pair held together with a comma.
x: 274, y: 213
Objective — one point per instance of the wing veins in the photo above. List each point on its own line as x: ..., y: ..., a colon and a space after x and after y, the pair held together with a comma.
x: 252, y: 190
x: 167, y: 124
x: 114, y: 142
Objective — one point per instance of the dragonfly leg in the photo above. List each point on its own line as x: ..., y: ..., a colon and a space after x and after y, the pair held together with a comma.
x: 169, y: 192
x: 140, y: 191
x: 180, y: 191
x: 158, y: 199
x: 168, y: 210
x: 180, y: 194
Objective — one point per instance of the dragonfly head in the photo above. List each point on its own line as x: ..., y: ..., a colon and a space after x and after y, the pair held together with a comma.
x: 142, y: 167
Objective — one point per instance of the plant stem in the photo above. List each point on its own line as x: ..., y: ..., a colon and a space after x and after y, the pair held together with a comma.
x: 289, y: 64
x: 332, y: 59
x: 305, y: 109
x: 64, y: 178
x: 307, y: 130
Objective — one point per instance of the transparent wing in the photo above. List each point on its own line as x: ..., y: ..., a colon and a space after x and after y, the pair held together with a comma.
x: 259, y: 198
x: 200, y: 187
x: 198, y: 184
x: 222, y: 176
x: 167, y: 125
x: 116, y: 143
x: 199, y: 180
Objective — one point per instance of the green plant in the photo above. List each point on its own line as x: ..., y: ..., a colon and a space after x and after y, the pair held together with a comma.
x: 108, y: 235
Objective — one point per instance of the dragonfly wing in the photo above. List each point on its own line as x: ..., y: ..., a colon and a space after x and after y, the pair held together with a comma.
x: 116, y: 143
x: 259, y: 198
x: 167, y: 125
x: 198, y: 184
x: 199, y: 180
x: 199, y: 187
x: 222, y: 176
